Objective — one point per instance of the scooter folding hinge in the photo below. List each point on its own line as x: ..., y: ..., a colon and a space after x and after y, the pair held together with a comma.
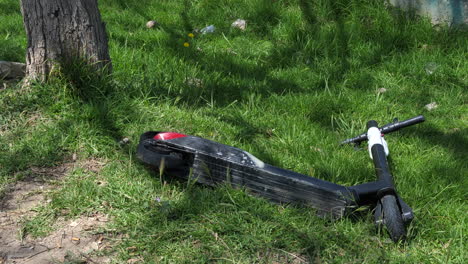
x: 385, y: 191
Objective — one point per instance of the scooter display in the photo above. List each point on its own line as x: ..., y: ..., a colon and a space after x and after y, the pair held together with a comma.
x: 211, y: 163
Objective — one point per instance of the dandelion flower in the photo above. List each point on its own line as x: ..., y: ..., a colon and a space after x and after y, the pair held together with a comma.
x: 191, y: 35
x: 186, y: 44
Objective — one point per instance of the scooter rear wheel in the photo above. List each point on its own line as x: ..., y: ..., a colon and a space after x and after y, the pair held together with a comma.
x: 392, y: 218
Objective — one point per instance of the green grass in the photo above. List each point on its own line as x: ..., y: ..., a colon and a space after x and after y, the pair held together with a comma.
x: 303, y: 76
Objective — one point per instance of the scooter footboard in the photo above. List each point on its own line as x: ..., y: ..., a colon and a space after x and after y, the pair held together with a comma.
x: 274, y: 184
x: 212, y: 163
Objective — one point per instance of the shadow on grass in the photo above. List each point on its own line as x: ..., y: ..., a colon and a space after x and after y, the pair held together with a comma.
x: 456, y: 143
x: 333, y: 47
x: 10, y: 7
x: 139, y: 8
x: 79, y: 97
x: 234, y: 216
x: 10, y: 51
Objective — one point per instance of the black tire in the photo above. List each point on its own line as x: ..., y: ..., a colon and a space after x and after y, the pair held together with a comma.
x: 155, y: 156
x: 392, y: 218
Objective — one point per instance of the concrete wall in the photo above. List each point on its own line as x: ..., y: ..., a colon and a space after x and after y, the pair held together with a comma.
x: 451, y: 12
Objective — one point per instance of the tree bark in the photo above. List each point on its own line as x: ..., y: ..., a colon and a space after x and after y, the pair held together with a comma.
x: 60, y: 31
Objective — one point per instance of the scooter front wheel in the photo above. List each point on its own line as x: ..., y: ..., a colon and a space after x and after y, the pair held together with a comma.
x: 392, y: 218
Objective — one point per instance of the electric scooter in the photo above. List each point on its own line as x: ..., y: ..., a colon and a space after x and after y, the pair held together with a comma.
x: 212, y: 163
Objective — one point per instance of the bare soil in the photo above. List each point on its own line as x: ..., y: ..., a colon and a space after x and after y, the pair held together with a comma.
x: 79, y: 240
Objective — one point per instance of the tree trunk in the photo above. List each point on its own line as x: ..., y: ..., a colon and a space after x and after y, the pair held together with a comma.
x: 60, y: 31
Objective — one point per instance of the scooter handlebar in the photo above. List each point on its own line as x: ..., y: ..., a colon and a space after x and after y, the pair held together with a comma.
x: 388, y: 128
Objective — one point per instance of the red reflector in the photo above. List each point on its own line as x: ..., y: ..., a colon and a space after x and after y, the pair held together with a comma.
x: 168, y: 136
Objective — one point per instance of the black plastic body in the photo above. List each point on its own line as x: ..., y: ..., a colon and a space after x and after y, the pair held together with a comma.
x: 212, y: 163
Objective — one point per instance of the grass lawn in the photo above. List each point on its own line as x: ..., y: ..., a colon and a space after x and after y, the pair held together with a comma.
x: 302, y: 76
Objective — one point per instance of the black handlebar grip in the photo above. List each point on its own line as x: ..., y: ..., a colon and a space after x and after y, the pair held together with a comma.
x: 388, y: 128
x: 398, y: 125
x: 357, y: 139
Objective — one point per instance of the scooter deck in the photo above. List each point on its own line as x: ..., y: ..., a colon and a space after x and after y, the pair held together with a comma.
x: 211, y: 163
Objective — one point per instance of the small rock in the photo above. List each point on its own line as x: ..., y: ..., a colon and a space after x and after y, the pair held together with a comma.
x: 124, y: 141
x: 240, y: 24
x: 74, y: 224
x: 94, y: 246
x: 431, y: 106
x: 74, y: 157
x: 151, y: 24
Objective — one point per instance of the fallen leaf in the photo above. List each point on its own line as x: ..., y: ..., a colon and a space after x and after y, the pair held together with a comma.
x: 102, y: 219
x: 100, y: 239
x: 446, y: 245
x: 132, y: 248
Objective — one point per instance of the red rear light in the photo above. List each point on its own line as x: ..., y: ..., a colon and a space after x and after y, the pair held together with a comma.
x: 168, y: 136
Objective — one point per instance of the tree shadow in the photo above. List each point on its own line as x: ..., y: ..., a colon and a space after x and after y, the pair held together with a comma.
x: 220, y: 63
x: 195, y: 205
x: 10, y: 51
x: 136, y: 8
x: 456, y: 143
x: 227, y: 90
x: 10, y: 7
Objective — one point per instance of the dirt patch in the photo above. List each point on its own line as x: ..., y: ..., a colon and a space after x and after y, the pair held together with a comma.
x: 79, y: 240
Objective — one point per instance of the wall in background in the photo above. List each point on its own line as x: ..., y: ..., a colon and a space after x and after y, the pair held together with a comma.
x: 451, y: 12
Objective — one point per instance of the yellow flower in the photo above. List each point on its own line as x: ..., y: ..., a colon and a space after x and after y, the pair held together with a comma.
x: 186, y: 44
x: 191, y: 35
